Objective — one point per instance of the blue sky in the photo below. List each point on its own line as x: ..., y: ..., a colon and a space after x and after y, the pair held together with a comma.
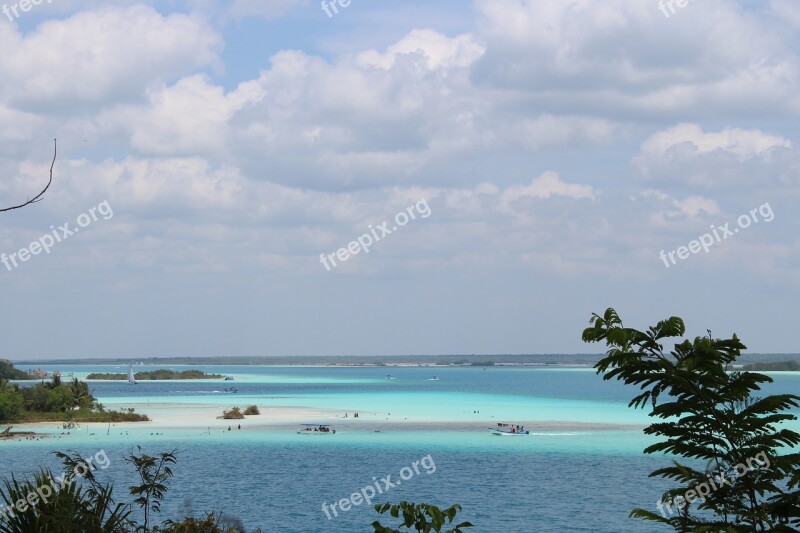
x: 560, y: 147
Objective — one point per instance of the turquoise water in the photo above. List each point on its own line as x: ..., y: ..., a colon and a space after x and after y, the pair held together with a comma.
x: 581, y: 470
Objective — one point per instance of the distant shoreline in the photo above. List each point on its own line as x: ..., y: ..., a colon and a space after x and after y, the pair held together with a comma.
x: 337, y: 360
x: 499, y: 360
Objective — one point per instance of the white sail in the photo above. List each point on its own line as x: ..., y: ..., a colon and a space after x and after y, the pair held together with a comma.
x: 130, y: 375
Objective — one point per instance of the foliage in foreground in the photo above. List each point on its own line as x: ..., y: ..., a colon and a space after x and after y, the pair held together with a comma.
x: 422, y: 517
x: 710, y: 416
x: 79, y: 503
x: 212, y: 523
x: 68, y: 504
x: 154, y: 474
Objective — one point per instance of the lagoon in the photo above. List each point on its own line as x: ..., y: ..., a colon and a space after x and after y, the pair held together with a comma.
x: 581, y: 470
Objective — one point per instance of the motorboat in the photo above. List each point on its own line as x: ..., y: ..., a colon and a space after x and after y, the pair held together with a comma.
x: 316, y: 429
x: 507, y: 430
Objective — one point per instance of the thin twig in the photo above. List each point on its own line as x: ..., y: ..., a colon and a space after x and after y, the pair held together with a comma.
x: 38, y: 197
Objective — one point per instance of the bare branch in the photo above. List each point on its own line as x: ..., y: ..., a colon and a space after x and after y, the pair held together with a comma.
x: 38, y: 197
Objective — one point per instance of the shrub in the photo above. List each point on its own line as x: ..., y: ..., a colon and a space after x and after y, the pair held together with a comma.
x: 252, y: 410
x: 233, y: 414
x: 212, y: 523
x: 422, y: 517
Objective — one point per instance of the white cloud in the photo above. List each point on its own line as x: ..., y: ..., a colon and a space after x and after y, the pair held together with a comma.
x: 687, y: 154
x: 786, y: 10
x: 689, y: 140
x: 103, y: 55
x: 427, y: 48
x: 188, y: 118
x: 547, y: 185
x: 626, y: 58
x: 671, y: 211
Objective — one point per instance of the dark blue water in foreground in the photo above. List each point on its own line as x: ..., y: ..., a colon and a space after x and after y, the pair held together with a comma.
x: 282, y: 488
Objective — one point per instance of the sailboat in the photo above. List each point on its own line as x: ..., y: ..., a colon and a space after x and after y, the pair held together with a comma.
x: 130, y: 375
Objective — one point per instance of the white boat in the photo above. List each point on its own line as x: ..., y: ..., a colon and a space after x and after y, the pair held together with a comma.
x: 510, y: 432
x: 130, y: 375
x: 316, y: 429
x: 434, y: 378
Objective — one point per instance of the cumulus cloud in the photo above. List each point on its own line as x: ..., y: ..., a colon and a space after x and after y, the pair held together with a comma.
x: 687, y: 154
x: 670, y: 210
x: 188, y: 118
x: 547, y: 185
x: 786, y: 11
x: 433, y: 50
x: 101, y: 56
x: 353, y: 121
x: 743, y: 144
x: 579, y: 55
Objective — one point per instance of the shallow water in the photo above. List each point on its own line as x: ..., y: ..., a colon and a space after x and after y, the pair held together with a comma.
x: 567, y: 476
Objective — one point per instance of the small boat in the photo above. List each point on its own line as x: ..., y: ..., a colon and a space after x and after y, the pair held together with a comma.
x: 231, y: 390
x: 506, y: 430
x: 316, y: 429
x: 130, y: 375
x: 434, y: 378
x: 228, y: 378
x: 388, y: 376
